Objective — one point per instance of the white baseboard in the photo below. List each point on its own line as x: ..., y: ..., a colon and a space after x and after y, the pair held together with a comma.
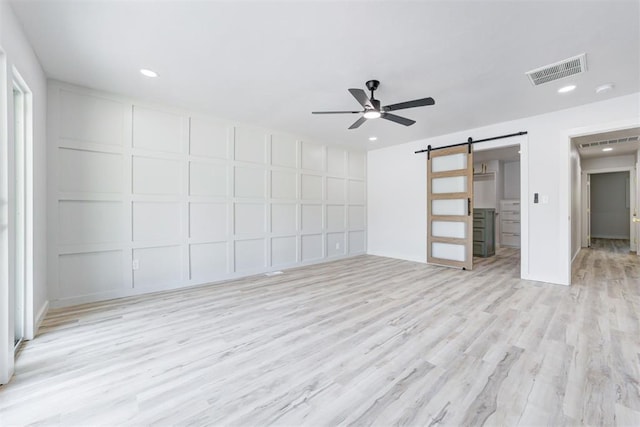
x: 402, y: 257
x: 105, y: 296
x: 613, y: 237
x: 40, y: 317
x: 575, y: 255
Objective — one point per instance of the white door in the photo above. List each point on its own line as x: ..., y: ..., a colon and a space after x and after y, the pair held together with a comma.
x: 588, y: 210
x: 636, y: 214
x: 450, y: 207
x: 19, y: 215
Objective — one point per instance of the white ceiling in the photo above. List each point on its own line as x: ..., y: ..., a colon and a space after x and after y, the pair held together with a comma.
x: 272, y: 63
x: 614, y: 139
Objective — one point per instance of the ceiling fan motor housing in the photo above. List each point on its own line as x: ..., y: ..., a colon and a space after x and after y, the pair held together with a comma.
x: 372, y: 85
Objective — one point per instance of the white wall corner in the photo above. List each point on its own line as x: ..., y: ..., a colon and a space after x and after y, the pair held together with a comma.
x: 42, y: 313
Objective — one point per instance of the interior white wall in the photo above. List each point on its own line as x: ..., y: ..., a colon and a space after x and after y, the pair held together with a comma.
x: 16, y: 52
x: 607, y: 162
x: 189, y: 198
x: 484, y: 193
x: 511, y: 180
x: 500, y: 193
x: 397, y: 186
x: 485, y: 189
x: 576, y: 201
x: 610, y: 205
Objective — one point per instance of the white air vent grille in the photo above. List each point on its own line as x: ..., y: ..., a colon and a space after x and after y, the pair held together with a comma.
x: 559, y: 70
x: 609, y: 142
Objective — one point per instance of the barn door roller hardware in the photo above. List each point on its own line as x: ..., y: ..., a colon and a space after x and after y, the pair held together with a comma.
x: 470, y: 141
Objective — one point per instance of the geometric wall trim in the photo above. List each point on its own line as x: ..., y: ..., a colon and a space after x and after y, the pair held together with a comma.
x: 147, y: 198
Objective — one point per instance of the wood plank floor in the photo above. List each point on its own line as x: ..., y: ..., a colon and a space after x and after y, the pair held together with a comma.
x: 361, y: 341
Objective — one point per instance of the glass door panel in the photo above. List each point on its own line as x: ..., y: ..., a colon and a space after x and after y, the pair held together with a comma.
x: 452, y: 184
x: 449, y: 207
x: 447, y: 163
x: 453, y: 229
x: 449, y: 251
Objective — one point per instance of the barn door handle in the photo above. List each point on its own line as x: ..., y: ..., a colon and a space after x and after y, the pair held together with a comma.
x: 469, y: 206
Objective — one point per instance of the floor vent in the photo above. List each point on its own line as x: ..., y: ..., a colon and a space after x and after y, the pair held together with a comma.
x: 273, y: 273
x: 559, y: 70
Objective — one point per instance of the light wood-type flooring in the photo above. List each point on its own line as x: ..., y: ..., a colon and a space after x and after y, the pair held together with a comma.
x: 359, y: 341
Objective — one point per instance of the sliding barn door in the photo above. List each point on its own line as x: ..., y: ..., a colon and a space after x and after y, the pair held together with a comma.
x: 450, y: 207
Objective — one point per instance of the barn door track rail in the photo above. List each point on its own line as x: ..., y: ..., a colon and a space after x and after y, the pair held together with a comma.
x: 470, y: 141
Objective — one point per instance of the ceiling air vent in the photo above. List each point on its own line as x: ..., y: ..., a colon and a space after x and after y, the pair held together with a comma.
x: 609, y: 142
x: 559, y: 70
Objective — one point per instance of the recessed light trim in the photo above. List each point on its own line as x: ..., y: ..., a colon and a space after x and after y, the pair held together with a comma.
x: 148, y: 73
x: 372, y: 114
x: 566, y: 89
x: 373, y: 138
x: 607, y: 149
x: 605, y: 87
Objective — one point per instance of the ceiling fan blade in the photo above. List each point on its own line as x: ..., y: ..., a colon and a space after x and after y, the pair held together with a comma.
x: 361, y: 97
x: 336, y: 112
x: 409, y: 104
x: 358, y: 122
x: 398, y: 119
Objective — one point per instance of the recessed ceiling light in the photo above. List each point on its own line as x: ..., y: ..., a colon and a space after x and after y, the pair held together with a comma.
x: 604, y: 88
x: 566, y: 89
x: 148, y: 73
x: 372, y: 114
x: 373, y: 138
x: 607, y: 149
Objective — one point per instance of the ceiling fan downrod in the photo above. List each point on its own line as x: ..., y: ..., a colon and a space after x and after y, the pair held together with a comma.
x: 372, y: 85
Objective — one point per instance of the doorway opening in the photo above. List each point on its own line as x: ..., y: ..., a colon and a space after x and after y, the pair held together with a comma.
x: 465, y: 200
x: 609, y: 210
x: 497, y: 200
x: 605, y: 195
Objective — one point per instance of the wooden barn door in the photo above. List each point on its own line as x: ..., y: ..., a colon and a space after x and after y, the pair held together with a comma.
x: 450, y: 207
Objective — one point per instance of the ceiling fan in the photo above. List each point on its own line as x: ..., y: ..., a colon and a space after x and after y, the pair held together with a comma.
x: 373, y: 110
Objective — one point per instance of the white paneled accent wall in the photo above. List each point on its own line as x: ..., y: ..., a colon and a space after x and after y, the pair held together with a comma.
x: 149, y: 198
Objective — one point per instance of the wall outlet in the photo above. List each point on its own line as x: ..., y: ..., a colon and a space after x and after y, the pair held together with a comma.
x: 135, y: 264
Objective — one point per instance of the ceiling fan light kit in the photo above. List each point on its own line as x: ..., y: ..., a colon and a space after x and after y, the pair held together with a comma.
x: 373, y: 110
x: 372, y: 114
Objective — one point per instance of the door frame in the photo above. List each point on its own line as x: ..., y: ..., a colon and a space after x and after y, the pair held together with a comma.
x: 10, y: 78
x: 636, y: 214
x: 26, y: 169
x: 6, y: 315
x: 633, y: 202
x: 567, y: 192
x: 523, y: 142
